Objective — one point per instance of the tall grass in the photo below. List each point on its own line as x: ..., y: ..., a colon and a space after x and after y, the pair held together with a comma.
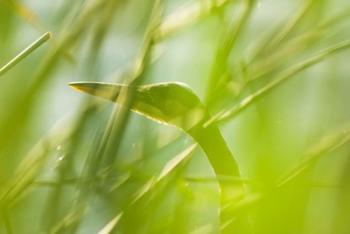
x: 271, y: 76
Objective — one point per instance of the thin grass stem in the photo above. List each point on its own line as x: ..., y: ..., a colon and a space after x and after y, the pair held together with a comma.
x: 27, y: 51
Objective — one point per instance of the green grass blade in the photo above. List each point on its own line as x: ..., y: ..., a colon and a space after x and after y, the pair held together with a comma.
x: 280, y: 79
x: 276, y: 38
x: 33, y: 163
x: 325, y: 145
x: 225, y: 47
x: 167, y: 169
x: 27, y: 51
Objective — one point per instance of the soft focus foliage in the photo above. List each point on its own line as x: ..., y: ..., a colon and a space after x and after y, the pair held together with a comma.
x: 272, y: 74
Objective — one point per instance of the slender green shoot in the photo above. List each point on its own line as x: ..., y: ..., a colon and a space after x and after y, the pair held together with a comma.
x: 27, y: 51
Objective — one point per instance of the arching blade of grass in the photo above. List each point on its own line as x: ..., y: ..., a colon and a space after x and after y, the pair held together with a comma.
x: 27, y: 51
x: 176, y: 104
x: 285, y: 75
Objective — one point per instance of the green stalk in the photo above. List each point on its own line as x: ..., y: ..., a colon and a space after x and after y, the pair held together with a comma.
x: 27, y: 51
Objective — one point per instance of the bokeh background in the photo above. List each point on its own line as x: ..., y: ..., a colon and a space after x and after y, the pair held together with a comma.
x: 70, y: 164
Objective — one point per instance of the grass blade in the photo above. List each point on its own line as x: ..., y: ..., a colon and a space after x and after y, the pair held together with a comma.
x: 27, y: 51
x: 110, y: 225
x: 33, y: 162
x: 187, y: 16
x: 325, y: 145
x: 285, y: 75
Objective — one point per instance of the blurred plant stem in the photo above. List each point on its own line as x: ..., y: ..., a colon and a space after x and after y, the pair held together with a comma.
x: 224, y: 49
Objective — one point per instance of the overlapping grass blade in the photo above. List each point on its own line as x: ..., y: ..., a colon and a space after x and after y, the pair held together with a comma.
x: 225, y: 46
x: 33, y: 163
x: 280, y: 79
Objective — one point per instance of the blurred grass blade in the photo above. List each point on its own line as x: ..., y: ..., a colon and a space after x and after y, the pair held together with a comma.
x: 220, y: 178
x: 116, y: 125
x: 293, y: 22
x: 33, y: 163
x: 296, y: 45
x: 108, y: 146
x: 290, y: 25
x: 325, y: 145
x: 167, y: 169
x: 174, y: 162
x: 285, y: 75
x: 110, y: 225
x: 27, y: 14
x: 189, y: 14
x: 225, y: 47
x: 27, y: 51
x: 247, y: 200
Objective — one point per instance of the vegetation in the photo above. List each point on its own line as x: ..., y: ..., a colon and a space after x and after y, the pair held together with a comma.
x: 246, y: 105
